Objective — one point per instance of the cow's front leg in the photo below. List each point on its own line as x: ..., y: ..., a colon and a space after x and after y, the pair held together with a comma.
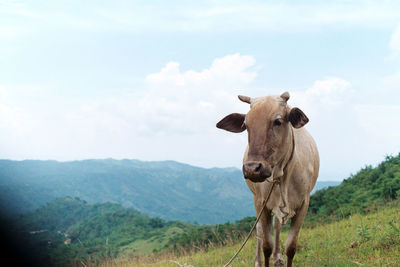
x: 259, y: 236
x: 295, y: 225
x: 268, y: 244
x: 264, y: 226
x: 277, y: 255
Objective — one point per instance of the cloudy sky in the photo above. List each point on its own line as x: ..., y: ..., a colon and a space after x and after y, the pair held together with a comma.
x: 150, y: 79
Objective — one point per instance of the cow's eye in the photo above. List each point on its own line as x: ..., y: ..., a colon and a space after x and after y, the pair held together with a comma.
x: 277, y: 122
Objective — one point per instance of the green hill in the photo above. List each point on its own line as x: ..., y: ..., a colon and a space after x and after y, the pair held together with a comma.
x: 361, y: 192
x: 70, y: 230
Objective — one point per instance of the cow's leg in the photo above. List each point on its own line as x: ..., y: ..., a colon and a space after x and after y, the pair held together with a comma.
x: 295, y: 225
x: 277, y: 255
x: 268, y: 243
x: 264, y: 230
x: 259, y: 236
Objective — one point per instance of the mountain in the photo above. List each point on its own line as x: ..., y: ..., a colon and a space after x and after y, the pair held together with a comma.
x: 167, y: 189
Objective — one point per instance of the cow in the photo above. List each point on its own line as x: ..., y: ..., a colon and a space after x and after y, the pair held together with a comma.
x: 279, y: 149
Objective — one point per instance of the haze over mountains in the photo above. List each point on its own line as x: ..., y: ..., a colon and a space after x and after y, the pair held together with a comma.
x: 167, y: 189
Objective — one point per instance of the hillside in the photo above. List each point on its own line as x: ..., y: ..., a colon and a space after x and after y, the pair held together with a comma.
x: 361, y: 240
x: 70, y: 230
x: 168, y: 189
x: 370, y: 187
x: 368, y: 190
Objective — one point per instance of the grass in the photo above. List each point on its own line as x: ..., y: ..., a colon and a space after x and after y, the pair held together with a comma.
x: 148, y: 247
x: 361, y: 240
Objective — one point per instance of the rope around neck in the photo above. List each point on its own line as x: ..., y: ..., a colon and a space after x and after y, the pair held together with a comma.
x: 254, y: 226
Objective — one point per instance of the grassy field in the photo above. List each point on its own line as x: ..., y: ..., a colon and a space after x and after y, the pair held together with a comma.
x: 361, y: 240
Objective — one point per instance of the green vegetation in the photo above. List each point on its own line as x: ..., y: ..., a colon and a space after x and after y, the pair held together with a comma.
x: 359, y: 240
x: 365, y: 191
x: 73, y: 230
x: 368, y: 190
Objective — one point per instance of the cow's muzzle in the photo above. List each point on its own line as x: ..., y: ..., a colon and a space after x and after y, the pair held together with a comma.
x: 256, y: 171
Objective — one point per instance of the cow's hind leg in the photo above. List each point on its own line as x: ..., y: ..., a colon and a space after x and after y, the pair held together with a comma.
x: 277, y: 255
x: 295, y: 225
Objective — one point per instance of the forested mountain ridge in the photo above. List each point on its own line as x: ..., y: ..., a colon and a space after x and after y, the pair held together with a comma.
x: 167, y: 189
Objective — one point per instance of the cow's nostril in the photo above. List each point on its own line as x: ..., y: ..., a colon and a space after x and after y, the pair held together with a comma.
x: 257, y: 167
x: 252, y: 167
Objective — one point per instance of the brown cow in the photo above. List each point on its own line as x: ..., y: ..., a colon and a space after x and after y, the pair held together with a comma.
x: 279, y: 148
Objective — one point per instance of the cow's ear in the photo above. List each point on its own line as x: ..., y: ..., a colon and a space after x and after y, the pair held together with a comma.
x: 233, y: 123
x: 297, y: 118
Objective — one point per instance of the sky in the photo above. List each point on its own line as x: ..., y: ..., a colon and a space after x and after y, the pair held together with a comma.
x: 149, y: 80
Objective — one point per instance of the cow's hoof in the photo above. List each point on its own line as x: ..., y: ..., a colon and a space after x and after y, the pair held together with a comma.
x: 257, y: 262
x: 279, y: 262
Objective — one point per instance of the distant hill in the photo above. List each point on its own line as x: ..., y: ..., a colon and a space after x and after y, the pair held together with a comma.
x: 324, y: 184
x: 167, y: 189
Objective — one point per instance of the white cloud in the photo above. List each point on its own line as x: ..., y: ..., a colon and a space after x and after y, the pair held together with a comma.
x: 331, y: 91
x: 13, y: 119
x: 231, y: 69
x: 186, y: 96
x: 328, y: 87
x: 3, y: 93
x: 394, y: 43
x: 207, y: 16
x: 380, y: 121
x: 390, y: 84
x: 323, y: 96
x: 173, y: 117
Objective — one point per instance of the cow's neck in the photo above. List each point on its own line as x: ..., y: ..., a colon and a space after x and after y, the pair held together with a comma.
x: 280, y: 169
x: 282, y: 211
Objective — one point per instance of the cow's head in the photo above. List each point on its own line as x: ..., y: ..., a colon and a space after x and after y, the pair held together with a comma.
x: 269, y: 127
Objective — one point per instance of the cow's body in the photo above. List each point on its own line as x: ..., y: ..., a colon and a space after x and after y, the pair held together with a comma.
x: 282, y: 151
